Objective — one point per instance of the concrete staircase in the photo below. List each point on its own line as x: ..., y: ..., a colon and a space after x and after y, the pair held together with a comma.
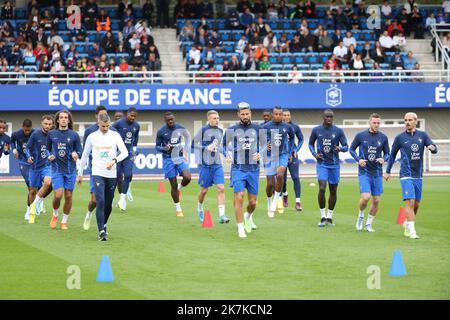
x: 423, y: 53
x: 171, y: 56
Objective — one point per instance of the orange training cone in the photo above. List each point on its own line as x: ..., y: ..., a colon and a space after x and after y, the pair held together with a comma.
x: 207, y: 220
x: 401, y: 215
x: 161, y: 187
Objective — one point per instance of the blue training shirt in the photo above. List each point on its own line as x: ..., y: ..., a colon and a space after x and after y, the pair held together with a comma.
x: 242, y: 141
x: 37, y: 148
x: 173, y: 136
x: 61, y: 144
x: 411, y: 146
x: 129, y: 131
x: 19, y: 142
x: 206, y: 136
x: 5, y: 140
x: 278, y: 135
x: 372, y: 146
x: 295, y: 147
x: 327, y: 138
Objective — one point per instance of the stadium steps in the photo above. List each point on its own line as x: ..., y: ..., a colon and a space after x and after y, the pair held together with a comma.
x: 423, y: 53
x: 171, y: 56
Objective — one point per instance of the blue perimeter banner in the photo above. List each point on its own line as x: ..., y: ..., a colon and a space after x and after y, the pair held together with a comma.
x: 148, y: 161
x: 224, y: 96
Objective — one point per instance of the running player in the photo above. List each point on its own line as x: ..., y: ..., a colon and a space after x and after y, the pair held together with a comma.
x: 64, y: 148
x: 411, y: 144
x: 169, y: 141
x: 207, y: 143
x: 241, y: 145
x: 330, y: 141
x: 293, y: 162
x: 128, y: 128
x: 373, y: 151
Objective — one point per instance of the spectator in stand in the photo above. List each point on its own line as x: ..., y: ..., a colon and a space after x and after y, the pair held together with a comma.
x: 142, y: 29
x: 70, y: 57
x: 298, y: 12
x: 246, y: 18
x: 213, y: 74
x: 272, y: 12
x: 446, y: 6
x: 332, y: 63
x: 341, y: 52
x: 418, y: 75
x: 386, y: 41
x: 416, y: 22
x: 179, y: 10
x: 201, y: 38
x: 251, y: 29
x: 333, y: 6
x: 28, y: 55
x: 355, y: 22
x: 40, y: 51
x: 194, y: 56
x: 270, y: 42
x: 260, y: 52
x: 330, y: 21
x: 103, y: 22
x: 318, y: 30
x: 357, y: 63
x: 377, y: 53
x: 96, y: 51
x: 55, y: 38
x: 91, y: 71
x: 203, y: 24
x: 348, y: 9
x: 233, y: 21
x: 109, y: 44
x: 403, y: 19
x: 128, y: 16
x: 122, y: 8
x: 282, y: 10
x: 259, y: 8
x: 349, y: 39
x: 264, y: 65
x: 128, y: 29
x: 123, y: 66
x: 337, y: 37
x: 187, y: 33
x: 397, y: 62
x: 395, y: 28
x: 7, y: 11
x: 295, y: 44
x: 366, y: 53
x: 225, y: 65
x: 376, y: 75
x: 138, y: 56
x: 242, y: 4
x: 39, y: 37
x: 248, y: 58
x: 205, y: 9
x: 120, y: 43
x: 309, y: 9
x: 446, y: 42
x: 325, y: 43
x: 191, y: 10
x: 308, y: 41
x: 34, y: 17
x: 162, y: 13
x: 133, y: 41
x: 409, y: 6
x: 399, y: 42
x: 153, y: 63
x: 235, y: 64
x: 386, y: 9
x: 201, y: 76
x: 56, y: 52
x: 209, y: 55
x: 78, y: 34
x: 216, y: 40
x: 44, y: 65
x: 295, y: 76
x: 410, y: 61
x: 241, y: 44
x: 90, y: 14
x: 263, y: 28
x: 343, y: 22
x: 47, y: 20
x: 283, y: 43
x: 147, y: 10
x: 430, y: 21
x: 351, y: 54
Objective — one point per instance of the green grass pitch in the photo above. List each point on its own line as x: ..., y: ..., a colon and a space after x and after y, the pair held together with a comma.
x: 155, y: 255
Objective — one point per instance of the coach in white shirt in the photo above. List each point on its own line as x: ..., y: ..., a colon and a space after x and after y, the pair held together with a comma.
x: 103, y: 144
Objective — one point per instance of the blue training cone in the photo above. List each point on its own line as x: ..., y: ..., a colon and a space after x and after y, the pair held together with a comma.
x: 397, y: 267
x: 104, y: 273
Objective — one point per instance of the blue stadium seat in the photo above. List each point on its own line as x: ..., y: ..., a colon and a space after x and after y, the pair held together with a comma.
x: 316, y: 66
x: 21, y: 13
x: 276, y: 67
x: 288, y: 66
x: 303, y: 66
x: 138, y: 13
x: 112, y: 13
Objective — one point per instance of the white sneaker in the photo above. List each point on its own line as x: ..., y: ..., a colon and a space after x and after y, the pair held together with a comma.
x: 87, y: 222
x: 27, y: 215
x: 40, y: 208
x: 271, y: 214
x: 253, y: 225
x: 130, y: 195
x: 242, y: 234
x: 359, y: 223
x: 369, y: 228
x: 122, y: 205
x: 414, y: 236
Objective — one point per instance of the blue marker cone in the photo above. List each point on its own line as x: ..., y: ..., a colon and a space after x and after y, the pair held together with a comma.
x: 104, y: 273
x: 397, y: 267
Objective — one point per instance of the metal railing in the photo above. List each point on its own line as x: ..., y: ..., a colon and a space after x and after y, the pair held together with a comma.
x: 441, y: 55
x: 168, y: 77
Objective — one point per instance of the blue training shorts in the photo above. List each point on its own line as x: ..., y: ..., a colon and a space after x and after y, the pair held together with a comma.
x: 271, y: 166
x: 64, y: 180
x: 330, y: 174
x: 173, y: 168
x: 411, y: 189
x: 209, y: 175
x: 25, y: 172
x: 36, y: 176
x: 371, y: 184
x: 241, y: 180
